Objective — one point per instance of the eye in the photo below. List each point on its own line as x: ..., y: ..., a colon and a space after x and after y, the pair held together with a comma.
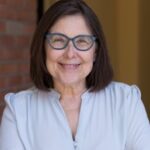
x: 83, y: 41
x: 57, y: 39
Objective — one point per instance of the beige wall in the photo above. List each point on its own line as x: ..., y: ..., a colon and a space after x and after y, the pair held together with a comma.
x: 107, y: 15
x: 126, y: 25
x: 128, y: 40
x: 120, y: 22
x: 144, y: 51
x: 127, y: 28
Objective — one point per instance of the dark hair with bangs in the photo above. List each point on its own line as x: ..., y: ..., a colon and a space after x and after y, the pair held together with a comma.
x: 101, y: 74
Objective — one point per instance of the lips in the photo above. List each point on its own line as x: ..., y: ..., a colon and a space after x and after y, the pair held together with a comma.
x: 69, y: 66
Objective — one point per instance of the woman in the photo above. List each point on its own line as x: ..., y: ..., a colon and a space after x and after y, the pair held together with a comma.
x: 74, y: 104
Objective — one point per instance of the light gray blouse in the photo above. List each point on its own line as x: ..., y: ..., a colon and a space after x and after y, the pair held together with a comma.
x: 111, y: 119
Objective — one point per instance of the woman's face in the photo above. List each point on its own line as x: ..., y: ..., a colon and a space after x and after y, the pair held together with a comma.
x: 70, y: 66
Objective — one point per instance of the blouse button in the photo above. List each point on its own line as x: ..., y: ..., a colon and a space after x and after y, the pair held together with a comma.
x: 75, y: 144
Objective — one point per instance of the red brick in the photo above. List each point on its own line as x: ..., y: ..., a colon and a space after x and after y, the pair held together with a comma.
x: 29, y: 28
x: 8, y: 68
x: 7, y: 13
x: 20, y: 28
x: 31, y: 4
x: 7, y: 40
x: 26, y: 15
x: 16, y: 14
x: 19, y: 87
x: 12, y: 68
x: 27, y: 4
x: 3, y: 83
x: 22, y: 41
x: 1, y: 112
x: 15, y: 38
x: 17, y: 80
x: 14, y: 27
x: 14, y: 55
x: 2, y: 94
x: 26, y: 79
x: 24, y: 68
x: 15, y: 3
x: 2, y: 27
x: 2, y: 2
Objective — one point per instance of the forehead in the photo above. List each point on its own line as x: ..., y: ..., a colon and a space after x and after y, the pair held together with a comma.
x: 71, y: 25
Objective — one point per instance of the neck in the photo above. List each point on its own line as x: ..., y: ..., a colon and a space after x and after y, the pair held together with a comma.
x: 70, y: 98
x: 70, y: 91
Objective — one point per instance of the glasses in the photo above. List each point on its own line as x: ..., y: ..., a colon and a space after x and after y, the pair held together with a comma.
x: 60, y: 41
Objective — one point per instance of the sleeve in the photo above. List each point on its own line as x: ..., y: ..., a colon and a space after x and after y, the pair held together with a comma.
x: 138, y: 137
x: 9, y: 137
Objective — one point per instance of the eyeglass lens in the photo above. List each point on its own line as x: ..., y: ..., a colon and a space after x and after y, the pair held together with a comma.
x: 60, y: 41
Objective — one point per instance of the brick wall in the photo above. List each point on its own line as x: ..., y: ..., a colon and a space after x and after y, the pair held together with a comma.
x: 17, y: 24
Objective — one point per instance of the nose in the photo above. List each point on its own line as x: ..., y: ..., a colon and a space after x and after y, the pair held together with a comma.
x: 70, y: 51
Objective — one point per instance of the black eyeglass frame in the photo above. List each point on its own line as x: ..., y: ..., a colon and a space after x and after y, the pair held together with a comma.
x: 48, y: 34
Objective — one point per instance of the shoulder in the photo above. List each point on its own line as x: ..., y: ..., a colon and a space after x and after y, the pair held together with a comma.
x: 123, y: 90
x: 12, y: 99
x: 21, y: 101
x: 122, y: 86
x: 123, y: 100
x: 28, y: 100
x: 120, y: 95
x: 118, y: 91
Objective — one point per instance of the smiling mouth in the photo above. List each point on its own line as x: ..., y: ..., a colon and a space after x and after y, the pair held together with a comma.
x: 69, y: 66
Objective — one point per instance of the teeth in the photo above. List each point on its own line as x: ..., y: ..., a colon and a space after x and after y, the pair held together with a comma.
x: 70, y: 66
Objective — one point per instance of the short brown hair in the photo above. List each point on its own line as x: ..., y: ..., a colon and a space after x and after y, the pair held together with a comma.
x: 101, y: 74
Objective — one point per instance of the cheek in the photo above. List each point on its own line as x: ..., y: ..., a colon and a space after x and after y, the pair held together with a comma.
x: 90, y: 58
x: 51, y: 56
x: 92, y: 55
x: 50, y: 60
